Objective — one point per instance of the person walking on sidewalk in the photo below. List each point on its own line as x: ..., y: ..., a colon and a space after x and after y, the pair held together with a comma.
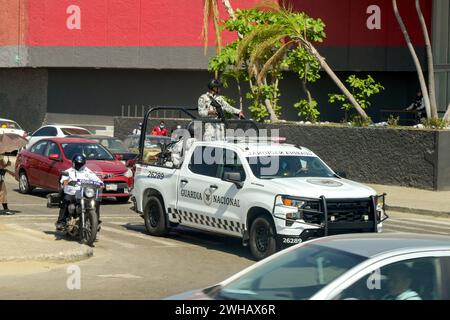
x: 3, y: 194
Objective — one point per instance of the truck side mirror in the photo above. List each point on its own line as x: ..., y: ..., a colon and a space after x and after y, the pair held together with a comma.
x: 234, y: 177
x: 342, y: 174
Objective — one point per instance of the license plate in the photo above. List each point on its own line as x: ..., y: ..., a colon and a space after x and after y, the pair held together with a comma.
x: 111, y: 187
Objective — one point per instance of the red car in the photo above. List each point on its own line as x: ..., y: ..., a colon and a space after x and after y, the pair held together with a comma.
x: 41, y: 165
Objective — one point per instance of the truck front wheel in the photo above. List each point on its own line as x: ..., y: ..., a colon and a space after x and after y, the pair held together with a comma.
x: 262, y: 240
x: 155, y: 217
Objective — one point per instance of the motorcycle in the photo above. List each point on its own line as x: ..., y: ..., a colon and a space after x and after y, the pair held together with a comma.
x: 83, y: 211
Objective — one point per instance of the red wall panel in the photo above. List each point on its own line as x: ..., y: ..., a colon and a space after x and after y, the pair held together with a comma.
x: 13, y: 22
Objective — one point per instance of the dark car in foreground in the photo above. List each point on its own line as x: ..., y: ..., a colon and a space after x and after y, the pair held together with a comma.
x: 42, y: 164
x: 389, y: 266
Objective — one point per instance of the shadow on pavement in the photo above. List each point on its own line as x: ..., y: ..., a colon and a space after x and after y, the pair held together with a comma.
x: 208, y: 240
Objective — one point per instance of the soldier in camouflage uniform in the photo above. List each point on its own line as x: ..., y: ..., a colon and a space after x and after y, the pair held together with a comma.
x: 214, y: 131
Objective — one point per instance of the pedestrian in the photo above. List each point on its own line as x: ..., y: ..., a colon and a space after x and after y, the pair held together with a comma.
x: 208, y: 108
x: 3, y: 193
x: 137, y: 131
x: 160, y: 130
x: 418, y: 105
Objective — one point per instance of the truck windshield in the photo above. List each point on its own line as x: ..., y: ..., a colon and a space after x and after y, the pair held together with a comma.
x: 289, y: 167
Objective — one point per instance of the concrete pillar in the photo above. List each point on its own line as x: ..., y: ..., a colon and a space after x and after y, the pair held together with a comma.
x: 441, y: 49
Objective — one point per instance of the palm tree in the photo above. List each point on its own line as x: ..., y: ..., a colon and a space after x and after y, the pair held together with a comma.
x: 422, y: 82
x: 260, y: 43
x: 431, y: 82
x: 211, y: 12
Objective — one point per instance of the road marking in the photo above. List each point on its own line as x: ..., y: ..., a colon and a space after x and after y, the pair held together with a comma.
x: 30, y: 232
x: 411, y: 229
x: 102, y: 237
x: 119, y: 276
x: 422, y: 221
x: 419, y: 225
x: 140, y: 236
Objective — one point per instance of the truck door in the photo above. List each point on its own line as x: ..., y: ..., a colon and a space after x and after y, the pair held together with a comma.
x: 205, y: 201
x: 197, y: 175
x: 227, y: 203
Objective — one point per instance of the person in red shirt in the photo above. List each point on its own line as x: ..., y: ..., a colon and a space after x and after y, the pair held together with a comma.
x: 160, y: 130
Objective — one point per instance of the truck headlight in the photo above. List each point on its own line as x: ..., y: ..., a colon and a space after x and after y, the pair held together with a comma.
x: 289, y: 202
x: 128, y: 174
x: 89, y: 192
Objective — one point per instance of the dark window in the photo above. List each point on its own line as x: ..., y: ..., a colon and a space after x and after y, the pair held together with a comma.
x: 92, y: 151
x: 46, y: 132
x: 206, y: 160
x: 9, y: 125
x: 52, y: 148
x: 74, y: 131
x: 39, y: 148
x: 232, y: 164
x: 416, y: 279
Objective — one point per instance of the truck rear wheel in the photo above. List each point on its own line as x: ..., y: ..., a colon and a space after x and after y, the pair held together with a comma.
x: 262, y: 240
x: 155, y: 217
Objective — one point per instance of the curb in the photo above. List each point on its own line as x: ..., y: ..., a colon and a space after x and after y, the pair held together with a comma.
x: 441, y: 214
x: 75, y: 255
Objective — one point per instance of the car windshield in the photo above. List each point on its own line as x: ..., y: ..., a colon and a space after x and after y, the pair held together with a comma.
x: 92, y: 151
x: 150, y: 141
x: 289, y: 167
x: 9, y: 125
x: 113, y: 145
x: 74, y: 131
x: 296, y: 275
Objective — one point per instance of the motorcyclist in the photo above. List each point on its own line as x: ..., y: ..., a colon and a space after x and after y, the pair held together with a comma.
x: 206, y: 109
x: 79, y: 171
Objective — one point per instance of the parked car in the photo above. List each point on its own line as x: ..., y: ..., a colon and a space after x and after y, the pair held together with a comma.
x: 115, y: 146
x: 10, y: 126
x: 56, y: 131
x: 153, y: 145
x: 41, y: 166
x: 346, y: 267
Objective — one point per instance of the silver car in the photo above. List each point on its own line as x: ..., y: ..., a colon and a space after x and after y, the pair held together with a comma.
x: 347, y: 267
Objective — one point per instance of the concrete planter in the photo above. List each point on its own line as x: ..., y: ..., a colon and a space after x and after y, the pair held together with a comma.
x: 402, y: 157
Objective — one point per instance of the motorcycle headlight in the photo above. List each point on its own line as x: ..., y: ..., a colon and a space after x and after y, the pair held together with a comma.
x: 129, y: 173
x: 89, y: 192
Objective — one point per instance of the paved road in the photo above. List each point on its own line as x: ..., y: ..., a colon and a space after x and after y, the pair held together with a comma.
x: 129, y: 264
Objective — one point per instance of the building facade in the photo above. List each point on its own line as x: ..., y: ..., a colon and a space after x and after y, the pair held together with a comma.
x: 105, y: 57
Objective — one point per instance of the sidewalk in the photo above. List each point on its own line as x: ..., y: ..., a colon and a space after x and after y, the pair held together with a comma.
x: 22, y: 244
x: 401, y: 199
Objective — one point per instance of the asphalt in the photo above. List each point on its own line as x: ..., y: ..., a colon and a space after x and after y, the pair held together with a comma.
x: 17, y: 244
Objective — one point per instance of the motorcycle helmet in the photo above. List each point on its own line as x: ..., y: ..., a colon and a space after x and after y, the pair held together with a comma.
x: 78, y: 161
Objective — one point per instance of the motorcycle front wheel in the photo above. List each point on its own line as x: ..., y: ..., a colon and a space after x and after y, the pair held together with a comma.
x: 88, y: 232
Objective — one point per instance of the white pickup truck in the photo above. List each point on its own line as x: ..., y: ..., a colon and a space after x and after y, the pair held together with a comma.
x: 270, y: 195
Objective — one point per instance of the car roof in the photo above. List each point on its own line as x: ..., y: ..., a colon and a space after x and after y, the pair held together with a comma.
x: 91, y: 136
x: 1, y: 119
x: 62, y: 126
x: 68, y: 140
x: 374, y: 244
x: 264, y: 148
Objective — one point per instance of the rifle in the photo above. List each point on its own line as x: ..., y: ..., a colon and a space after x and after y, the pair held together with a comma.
x: 219, y: 109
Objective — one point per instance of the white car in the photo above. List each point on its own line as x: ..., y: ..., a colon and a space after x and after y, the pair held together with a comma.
x: 56, y: 131
x: 270, y: 195
x: 390, y: 266
x: 10, y: 126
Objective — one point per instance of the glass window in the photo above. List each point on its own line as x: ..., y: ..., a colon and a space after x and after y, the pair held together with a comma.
x: 52, y: 148
x: 289, y: 167
x: 39, y: 148
x: 46, y: 132
x: 92, y: 151
x: 206, y: 161
x: 152, y: 148
x: 417, y: 279
x: 296, y: 275
x: 9, y: 125
x: 74, y: 131
x: 232, y: 164
x: 114, y: 145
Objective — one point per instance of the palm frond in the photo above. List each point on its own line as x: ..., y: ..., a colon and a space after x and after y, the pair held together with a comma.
x: 265, y: 49
x: 274, y: 60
